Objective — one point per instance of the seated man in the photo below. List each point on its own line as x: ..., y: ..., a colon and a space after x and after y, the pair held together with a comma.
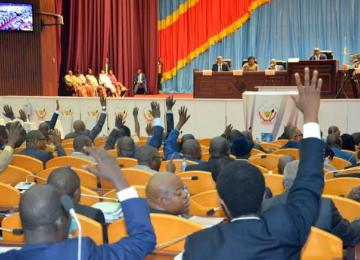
x: 140, y: 82
x: 317, y: 55
x: 283, y: 161
x: 241, y: 147
x: 79, y: 143
x: 334, y: 130
x: 80, y: 128
x: 7, y: 144
x: 251, y: 64
x: 47, y: 126
x: 68, y: 183
x: 125, y: 147
x: 149, y: 159
x: 334, y: 142
x: 36, y: 146
x: 46, y: 223
x: 166, y: 193
x: 220, y: 65
x: 329, y: 218
x: 105, y: 81
x: 280, y: 232
x: 294, y: 135
x: 70, y: 84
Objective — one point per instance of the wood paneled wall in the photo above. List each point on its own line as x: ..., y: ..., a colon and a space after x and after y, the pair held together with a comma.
x: 28, y: 59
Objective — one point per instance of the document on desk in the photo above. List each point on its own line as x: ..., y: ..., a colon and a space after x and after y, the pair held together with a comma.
x: 206, y: 221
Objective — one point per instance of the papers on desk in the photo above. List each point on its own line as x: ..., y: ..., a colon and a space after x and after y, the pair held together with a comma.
x: 112, y: 210
x: 179, y: 256
x: 207, y: 72
x: 206, y: 221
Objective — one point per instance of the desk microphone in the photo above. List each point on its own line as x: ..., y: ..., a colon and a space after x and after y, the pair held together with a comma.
x: 68, y: 205
x: 192, y: 178
x: 211, y: 212
x: 15, y: 231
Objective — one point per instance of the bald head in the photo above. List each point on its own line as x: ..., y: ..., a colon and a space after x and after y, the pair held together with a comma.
x: 191, y: 148
x: 125, y: 147
x: 219, y: 147
x: 44, y: 128
x: 42, y: 215
x: 165, y: 192
x: 67, y: 181
x: 333, y: 140
x: 79, y: 126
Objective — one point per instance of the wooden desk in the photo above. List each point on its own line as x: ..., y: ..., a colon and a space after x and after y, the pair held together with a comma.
x: 327, y: 71
x: 226, y: 85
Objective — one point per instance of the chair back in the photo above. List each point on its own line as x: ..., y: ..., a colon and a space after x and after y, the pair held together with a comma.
x: 67, y: 143
x: 64, y: 161
x: 349, y: 171
x: 68, y: 151
x: 340, y: 186
x: 133, y: 177
x: 10, y: 197
x: 255, y: 151
x: 197, y: 181
x: 177, y: 163
x: 294, y: 153
x: 270, y: 146
x: 99, y: 142
x: 13, y: 175
x: 340, y: 163
x: 167, y: 228
x: 268, y: 161
x: 91, y: 228
x: 113, y: 152
x: 348, y: 208
x: 275, y: 182
x: 280, y: 142
x: 12, y: 222
x: 322, y: 245
x: 141, y: 190
x: 202, y: 203
x: 86, y: 200
x: 125, y: 162
x: 204, y: 141
x: 27, y: 162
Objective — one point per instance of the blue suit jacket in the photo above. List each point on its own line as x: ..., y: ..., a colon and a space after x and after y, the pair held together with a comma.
x: 42, y: 155
x: 291, y: 144
x: 343, y: 155
x: 137, y: 245
x: 280, y: 232
x: 94, y: 132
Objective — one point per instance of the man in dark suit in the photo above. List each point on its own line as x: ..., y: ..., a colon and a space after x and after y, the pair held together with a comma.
x: 280, y: 232
x: 317, y: 55
x: 294, y: 136
x: 80, y: 129
x: 47, y: 126
x: 36, y: 145
x: 140, y: 82
x: 329, y: 218
x: 68, y: 183
x: 220, y: 65
x: 46, y: 224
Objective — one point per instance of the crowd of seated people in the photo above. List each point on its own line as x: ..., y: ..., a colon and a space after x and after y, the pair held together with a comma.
x: 257, y: 226
x: 105, y: 85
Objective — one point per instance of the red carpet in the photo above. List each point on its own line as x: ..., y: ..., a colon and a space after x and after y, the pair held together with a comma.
x: 165, y: 95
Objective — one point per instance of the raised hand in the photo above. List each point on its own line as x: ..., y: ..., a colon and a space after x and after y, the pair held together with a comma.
x: 155, y: 109
x: 135, y: 112
x: 119, y: 120
x: 57, y: 105
x: 22, y: 115
x: 8, y: 112
x: 106, y: 168
x: 14, y: 134
x: 171, y: 167
x: 308, y: 100
x: 170, y: 102
x: 55, y: 137
x: 228, y: 130
x: 183, y: 118
x: 103, y: 102
x: 149, y: 129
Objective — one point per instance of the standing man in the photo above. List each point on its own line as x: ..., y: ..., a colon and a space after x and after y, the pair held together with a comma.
x: 220, y: 65
x: 140, y: 82
x: 317, y: 55
x: 159, y: 74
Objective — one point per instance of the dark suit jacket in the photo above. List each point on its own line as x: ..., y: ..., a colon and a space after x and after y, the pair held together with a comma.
x: 322, y: 57
x: 42, y: 155
x: 280, y: 232
x: 95, y: 214
x: 329, y: 219
x: 94, y: 132
x: 291, y: 144
x: 140, y: 242
x: 143, y: 78
x: 225, y: 67
x: 53, y: 120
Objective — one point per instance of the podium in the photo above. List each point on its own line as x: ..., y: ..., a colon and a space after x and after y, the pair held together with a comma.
x: 327, y: 71
x: 266, y: 113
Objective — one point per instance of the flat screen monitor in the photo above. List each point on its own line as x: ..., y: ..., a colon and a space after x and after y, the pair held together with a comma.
x: 16, y: 17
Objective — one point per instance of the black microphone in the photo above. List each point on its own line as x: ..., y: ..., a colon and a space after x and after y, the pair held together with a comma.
x: 15, y: 231
x: 193, y: 178
x: 211, y: 212
x: 67, y: 203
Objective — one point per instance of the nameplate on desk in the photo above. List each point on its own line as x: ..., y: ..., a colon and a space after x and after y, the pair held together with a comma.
x: 270, y: 72
x: 238, y: 72
x: 357, y: 71
x: 207, y: 72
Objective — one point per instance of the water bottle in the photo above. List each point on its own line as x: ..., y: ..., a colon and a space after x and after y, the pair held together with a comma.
x: 183, y: 164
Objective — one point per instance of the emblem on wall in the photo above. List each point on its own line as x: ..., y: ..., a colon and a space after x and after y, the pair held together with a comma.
x: 267, y: 113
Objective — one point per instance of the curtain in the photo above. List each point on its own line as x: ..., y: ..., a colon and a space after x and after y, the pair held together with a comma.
x: 280, y: 30
x: 122, y: 32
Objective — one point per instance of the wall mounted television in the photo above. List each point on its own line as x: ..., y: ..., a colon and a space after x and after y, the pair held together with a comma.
x: 16, y: 17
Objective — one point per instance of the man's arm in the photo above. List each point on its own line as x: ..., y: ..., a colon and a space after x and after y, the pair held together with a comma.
x: 54, y: 116
x: 95, y: 131
x: 170, y: 102
x: 156, y: 138
x: 115, y: 133
x: 13, y: 137
x: 55, y: 138
x: 5, y: 157
x: 141, y: 237
x: 170, y: 146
